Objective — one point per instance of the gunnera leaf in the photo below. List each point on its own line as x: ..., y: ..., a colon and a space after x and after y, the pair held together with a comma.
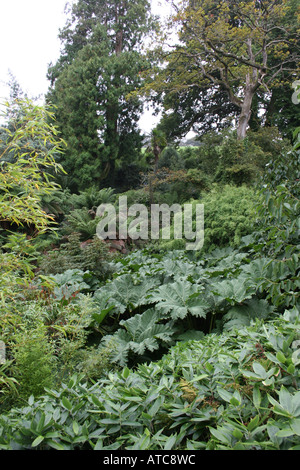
x: 124, y: 293
x: 242, y: 315
x: 141, y: 333
x: 144, y: 327
x: 180, y: 298
x: 234, y: 290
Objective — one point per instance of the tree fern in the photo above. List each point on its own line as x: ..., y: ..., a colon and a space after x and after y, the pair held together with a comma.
x: 93, y: 197
x: 80, y: 220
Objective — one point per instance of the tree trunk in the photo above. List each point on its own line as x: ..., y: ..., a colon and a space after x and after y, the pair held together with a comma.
x: 245, y: 114
x: 251, y: 86
x: 119, y: 33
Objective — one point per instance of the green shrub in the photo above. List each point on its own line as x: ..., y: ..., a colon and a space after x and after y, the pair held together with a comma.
x: 170, y: 158
x: 279, y: 225
x: 70, y: 329
x: 93, y: 363
x: 81, y: 221
x: 136, y: 196
x: 91, y: 256
x: 91, y: 198
x: 34, y: 366
x: 225, y: 160
x: 229, y: 215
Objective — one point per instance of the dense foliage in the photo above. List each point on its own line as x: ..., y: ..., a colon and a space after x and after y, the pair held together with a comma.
x: 143, y: 344
x: 159, y: 349
x: 237, y: 390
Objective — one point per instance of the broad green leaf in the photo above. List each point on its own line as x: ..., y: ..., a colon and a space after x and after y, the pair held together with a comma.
x: 291, y: 369
x: 125, y: 373
x: 156, y: 406
x: 224, y: 394
x: 287, y: 432
x: 281, y: 357
x: 235, y: 402
x: 198, y: 378
x: 31, y: 400
x: 75, y: 427
x: 41, y: 423
x: 295, y: 425
x: 55, y: 445
x: 141, y: 333
x: 233, y: 290
x: 260, y: 370
x: 178, y: 299
x: 278, y: 409
x: 220, y: 435
x: 37, y: 441
x: 96, y: 401
x: 242, y: 315
x: 237, y: 434
x: 253, y: 423
x: 170, y: 442
x: 289, y: 403
x: 256, y: 396
x: 142, y: 443
x: 99, y: 445
x: 66, y: 403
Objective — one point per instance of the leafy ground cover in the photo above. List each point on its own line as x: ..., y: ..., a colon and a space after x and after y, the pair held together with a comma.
x: 160, y: 299
x: 238, y: 390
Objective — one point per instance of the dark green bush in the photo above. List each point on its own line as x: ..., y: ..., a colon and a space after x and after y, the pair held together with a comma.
x: 229, y: 215
x: 91, y: 256
x: 226, y: 160
x: 170, y: 158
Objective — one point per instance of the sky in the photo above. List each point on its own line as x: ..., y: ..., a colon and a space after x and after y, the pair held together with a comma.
x: 29, y: 43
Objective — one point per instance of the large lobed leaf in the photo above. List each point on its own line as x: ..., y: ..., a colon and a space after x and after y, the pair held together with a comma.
x: 180, y: 298
x: 141, y: 333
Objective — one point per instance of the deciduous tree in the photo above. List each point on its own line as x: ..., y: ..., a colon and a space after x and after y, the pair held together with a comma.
x: 236, y: 47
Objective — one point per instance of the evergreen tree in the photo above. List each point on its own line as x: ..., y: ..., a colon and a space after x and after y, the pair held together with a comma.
x: 99, y: 67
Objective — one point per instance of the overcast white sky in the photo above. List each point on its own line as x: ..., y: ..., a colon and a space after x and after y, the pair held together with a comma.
x: 29, y: 42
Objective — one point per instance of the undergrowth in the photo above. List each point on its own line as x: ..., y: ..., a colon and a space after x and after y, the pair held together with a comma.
x: 234, y: 391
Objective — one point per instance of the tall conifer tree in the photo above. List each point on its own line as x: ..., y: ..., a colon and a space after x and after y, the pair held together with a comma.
x: 99, y: 66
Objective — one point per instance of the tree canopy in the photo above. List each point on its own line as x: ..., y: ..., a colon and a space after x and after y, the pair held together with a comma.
x: 227, y: 49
